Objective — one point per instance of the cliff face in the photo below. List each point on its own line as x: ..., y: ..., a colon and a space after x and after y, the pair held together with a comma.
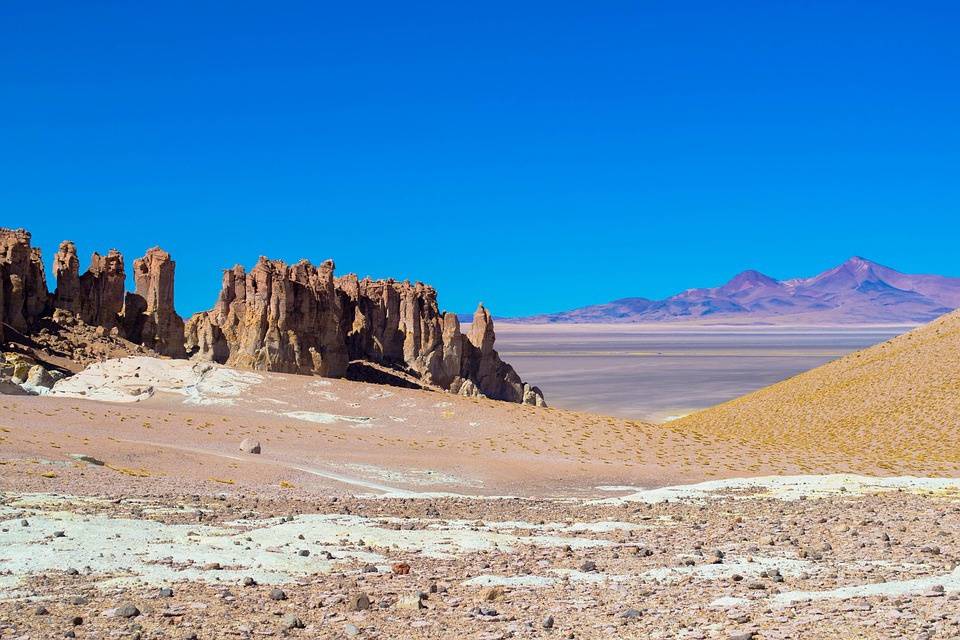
x: 287, y: 318
x: 276, y: 318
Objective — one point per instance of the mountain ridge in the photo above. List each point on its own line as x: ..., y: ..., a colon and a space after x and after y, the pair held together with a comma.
x: 857, y: 291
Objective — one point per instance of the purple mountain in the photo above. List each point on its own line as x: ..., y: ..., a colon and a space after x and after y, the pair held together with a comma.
x: 856, y: 292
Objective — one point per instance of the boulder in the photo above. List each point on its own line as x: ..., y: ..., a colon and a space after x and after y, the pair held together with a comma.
x: 39, y: 378
x: 250, y: 446
x: 291, y: 319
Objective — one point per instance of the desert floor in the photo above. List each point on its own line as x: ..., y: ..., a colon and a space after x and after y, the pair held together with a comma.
x: 453, y: 517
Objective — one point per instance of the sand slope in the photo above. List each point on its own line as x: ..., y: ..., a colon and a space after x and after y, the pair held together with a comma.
x: 893, y: 407
x: 157, y: 423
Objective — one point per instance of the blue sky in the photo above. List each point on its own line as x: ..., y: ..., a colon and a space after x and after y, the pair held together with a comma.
x: 536, y: 156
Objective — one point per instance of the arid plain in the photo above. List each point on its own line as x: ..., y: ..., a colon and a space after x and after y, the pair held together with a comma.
x: 130, y: 508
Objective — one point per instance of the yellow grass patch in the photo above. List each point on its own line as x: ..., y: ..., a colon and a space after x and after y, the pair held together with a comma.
x: 127, y: 471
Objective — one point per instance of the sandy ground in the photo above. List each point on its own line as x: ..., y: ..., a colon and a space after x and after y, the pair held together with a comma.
x: 453, y: 517
x: 894, y: 407
x: 162, y: 419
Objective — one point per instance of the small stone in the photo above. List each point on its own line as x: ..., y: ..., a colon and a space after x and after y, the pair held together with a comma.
x: 351, y: 630
x: 400, y: 568
x: 277, y: 594
x: 358, y: 602
x: 249, y: 582
x: 291, y: 621
x: 414, y: 602
x: 41, y: 611
x: 492, y: 594
x: 250, y: 446
x: 166, y: 592
x: 630, y: 614
x: 127, y: 611
x: 303, y: 553
x: 588, y: 565
x: 547, y: 622
x: 76, y: 621
x: 369, y: 568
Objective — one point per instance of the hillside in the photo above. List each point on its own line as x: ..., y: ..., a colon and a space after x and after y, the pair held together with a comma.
x: 895, y: 406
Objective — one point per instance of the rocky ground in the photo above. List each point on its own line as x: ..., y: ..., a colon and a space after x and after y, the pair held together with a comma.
x: 236, y: 565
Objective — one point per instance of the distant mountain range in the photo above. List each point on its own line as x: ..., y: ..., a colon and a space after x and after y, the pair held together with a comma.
x: 856, y: 292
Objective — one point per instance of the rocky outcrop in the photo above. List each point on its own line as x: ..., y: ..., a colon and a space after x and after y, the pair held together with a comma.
x: 66, y: 271
x: 23, y: 285
x: 481, y: 365
x: 397, y: 324
x: 301, y: 320
x: 285, y: 318
x: 149, y: 316
x: 97, y: 296
x: 88, y: 316
x: 102, y: 290
x: 276, y: 318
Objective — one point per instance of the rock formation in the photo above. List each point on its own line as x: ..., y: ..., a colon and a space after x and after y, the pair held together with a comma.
x: 102, y: 290
x: 481, y: 364
x: 87, y: 308
x: 148, y: 314
x: 276, y: 318
x: 66, y: 271
x: 23, y: 285
x: 96, y: 297
x: 301, y: 320
x: 396, y: 324
x: 291, y: 319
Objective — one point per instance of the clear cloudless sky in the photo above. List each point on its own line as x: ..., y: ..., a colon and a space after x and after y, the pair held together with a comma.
x: 536, y: 156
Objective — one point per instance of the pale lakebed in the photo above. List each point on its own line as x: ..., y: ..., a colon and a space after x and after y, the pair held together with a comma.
x: 660, y: 373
